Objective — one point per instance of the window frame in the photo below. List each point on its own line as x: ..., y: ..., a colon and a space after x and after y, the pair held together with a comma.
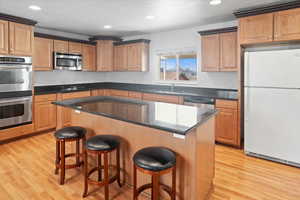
x: 177, y: 81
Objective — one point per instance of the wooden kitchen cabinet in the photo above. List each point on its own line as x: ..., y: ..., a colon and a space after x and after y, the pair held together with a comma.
x: 43, y: 54
x: 120, y: 58
x: 135, y: 95
x: 61, y: 46
x: 89, y: 57
x: 44, y: 112
x: 210, y: 49
x: 256, y: 29
x: 75, y: 48
x: 228, y: 51
x: 4, y: 37
x: 227, y: 122
x: 162, y: 98
x: 119, y: 93
x: 137, y: 56
x: 20, y: 39
x: 9, y: 133
x: 105, y: 52
x: 287, y: 25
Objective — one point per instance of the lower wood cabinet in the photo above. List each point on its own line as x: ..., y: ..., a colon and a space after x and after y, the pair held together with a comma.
x: 163, y: 98
x: 227, y: 123
x: 44, y: 112
x: 18, y: 131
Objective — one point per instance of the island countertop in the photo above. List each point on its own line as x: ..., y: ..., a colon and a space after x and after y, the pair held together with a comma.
x: 179, y: 119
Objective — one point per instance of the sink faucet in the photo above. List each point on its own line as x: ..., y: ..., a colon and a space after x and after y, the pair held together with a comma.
x: 172, y: 86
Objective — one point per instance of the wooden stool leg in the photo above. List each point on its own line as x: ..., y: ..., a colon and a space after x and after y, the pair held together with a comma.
x: 106, y: 178
x: 99, y: 167
x: 57, y: 160
x: 155, y: 187
x: 118, y: 167
x: 134, y: 182
x: 173, y: 196
x: 82, y: 150
x: 85, y: 170
x: 62, y: 163
x: 77, y: 152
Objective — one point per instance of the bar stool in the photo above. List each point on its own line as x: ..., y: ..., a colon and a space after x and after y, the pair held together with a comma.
x: 101, y: 145
x: 68, y: 134
x: 155, y: 161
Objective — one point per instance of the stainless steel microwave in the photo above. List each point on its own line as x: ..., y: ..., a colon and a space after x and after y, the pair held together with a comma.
x: 63, y: 61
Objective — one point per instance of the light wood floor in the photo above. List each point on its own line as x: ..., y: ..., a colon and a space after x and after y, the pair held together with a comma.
x: 26, y: 172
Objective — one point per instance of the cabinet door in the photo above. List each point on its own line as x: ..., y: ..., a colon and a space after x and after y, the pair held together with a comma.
x: 256, y: 29
x: 161, y: 98
x: 134, y: 57
x: 287, y: 25
x: 228, y: 45
x: 21, y: 39
x: 119, y: 93
x: 42, y: 54
x: 120, y: 58
x: 45, y: 116
x: 89, y: 57
x: 61, y: 46
x: 4, y: 37
x: 75, y: 48
x: 226, y: 126
x: 210, y: 53
x: 105, y: 52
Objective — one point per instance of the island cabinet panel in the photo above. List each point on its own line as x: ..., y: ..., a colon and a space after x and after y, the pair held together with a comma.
x: 227, y: 123
x: 105, y: 52
x: 75, y: 48
x: 43, y: 54
x: 20, y: 39
x: 61, y: 46
x: 287, y: 25
x: 162, y: 98
x: 228, y: 51
x: 4, y: 37
x: 120, y: 58
x: 137, y: 57
x: 210, y: 45
x: 89, y: 57
x: 119, y: 93
x: 256, y: 29
x: 44, y: 112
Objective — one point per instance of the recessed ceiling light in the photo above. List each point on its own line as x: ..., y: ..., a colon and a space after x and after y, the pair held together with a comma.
x: 35, y: 7
x: 150, y: 17
x: 107, y: 26
x: 215, y: 2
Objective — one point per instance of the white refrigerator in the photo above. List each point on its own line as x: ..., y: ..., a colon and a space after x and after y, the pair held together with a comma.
x: 272, y: 105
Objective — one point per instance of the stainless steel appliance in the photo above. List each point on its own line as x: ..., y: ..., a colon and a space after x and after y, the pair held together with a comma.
x: 202, y: 102
x: 64, y: 61
x: 15, y: 111
x: 15, y: 73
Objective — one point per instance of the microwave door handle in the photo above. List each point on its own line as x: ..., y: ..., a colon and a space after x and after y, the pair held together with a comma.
x: 10, y: 100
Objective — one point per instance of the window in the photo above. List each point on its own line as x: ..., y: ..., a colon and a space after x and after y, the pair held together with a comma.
x: 179, y: 67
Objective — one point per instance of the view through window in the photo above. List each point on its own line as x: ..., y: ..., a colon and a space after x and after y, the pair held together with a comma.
x: 178, y: 67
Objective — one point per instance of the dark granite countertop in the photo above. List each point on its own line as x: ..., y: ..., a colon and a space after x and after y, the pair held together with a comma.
x: 179, y: 119
x: 157, y: 89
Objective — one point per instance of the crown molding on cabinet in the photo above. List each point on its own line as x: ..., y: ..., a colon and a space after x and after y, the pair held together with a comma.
x: 105, y: 37
x: 132, y: 42
x: 16, y: 19
x: 56, y: 37
x: 266, y: 9
x: 216, y: 31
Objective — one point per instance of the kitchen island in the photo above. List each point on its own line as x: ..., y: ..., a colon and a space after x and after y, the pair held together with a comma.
x: 188, y: 131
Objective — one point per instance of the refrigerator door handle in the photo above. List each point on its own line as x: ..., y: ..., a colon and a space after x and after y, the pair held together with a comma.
x: 247, y: 103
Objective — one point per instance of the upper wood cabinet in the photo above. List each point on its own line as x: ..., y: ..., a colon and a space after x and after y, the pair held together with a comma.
x: 89, y: 57
x: 105, y: 52
x: 287, y: 25
x: 61, y: 46
x: 256, y: 29
x: 210, y: 49
x: 4, y: 37
x: 42, y: 54
x: 20, y: 39
x: 120, y: 58
x: 137, y: 57
x: 228, y: 51
x: 75, y: 48
x: 219, y: 51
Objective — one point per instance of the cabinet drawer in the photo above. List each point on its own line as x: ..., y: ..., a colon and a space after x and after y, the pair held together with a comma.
x: 120, y: 93
x: 135, y: 95
x: 46, y: 97
x: 226, y: 104
x: 75, y: 95
x: 16, y: 131
x: 162, y: 98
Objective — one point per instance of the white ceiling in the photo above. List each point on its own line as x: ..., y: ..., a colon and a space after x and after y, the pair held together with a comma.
x: 127, y: 17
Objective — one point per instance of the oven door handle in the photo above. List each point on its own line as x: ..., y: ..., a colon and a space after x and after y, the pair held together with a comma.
x: 29, y: 68
x: 13, y: 100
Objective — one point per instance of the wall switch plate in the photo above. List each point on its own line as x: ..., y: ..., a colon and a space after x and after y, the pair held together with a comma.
x: 77, y: 111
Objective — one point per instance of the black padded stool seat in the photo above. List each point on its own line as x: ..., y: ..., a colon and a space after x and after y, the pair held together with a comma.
x: 155, y: 158
x: 102, y: 143
x: 70, y: 132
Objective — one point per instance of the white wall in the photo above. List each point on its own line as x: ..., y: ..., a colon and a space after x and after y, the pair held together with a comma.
x: 176, y: 40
